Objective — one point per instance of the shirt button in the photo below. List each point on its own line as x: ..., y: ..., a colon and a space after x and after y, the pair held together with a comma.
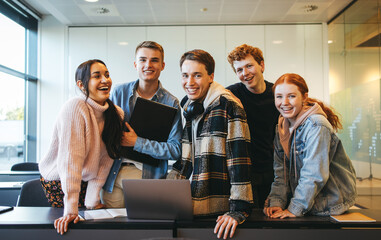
x: 114, y: 173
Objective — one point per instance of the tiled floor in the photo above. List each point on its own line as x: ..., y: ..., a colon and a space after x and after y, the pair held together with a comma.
x: 369, y: 193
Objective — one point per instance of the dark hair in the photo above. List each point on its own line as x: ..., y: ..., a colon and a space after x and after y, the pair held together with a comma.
x: 242, y: 51
x: 112, y: 131
x: 298, y: 81
x: 152, y: 45
x: 200, y: 56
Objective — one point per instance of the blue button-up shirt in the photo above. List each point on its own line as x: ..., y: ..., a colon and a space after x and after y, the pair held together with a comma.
x: 124, y: 95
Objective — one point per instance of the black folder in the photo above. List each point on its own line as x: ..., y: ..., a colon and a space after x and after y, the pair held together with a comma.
x: 153, y: 121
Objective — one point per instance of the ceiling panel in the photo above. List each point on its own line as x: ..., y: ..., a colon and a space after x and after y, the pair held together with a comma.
x: 238, y: 9
x: 187, y: 12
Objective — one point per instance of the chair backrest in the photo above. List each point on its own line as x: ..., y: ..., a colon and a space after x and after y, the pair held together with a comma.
x: 32, y: 195
x: 25, y: 166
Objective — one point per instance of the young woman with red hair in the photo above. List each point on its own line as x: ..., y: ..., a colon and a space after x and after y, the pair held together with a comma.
x: 313, y: 174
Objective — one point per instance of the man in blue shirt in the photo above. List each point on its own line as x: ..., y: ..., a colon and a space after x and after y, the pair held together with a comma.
x: 149, y: 62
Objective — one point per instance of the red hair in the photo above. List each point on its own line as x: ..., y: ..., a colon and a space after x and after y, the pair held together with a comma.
x: 297, y: 80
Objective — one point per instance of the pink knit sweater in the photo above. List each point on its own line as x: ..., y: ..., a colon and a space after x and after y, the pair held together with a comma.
x: 77, y: 152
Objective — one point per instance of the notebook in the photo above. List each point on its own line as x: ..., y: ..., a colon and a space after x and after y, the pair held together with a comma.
x: 158, y: 199
x: 353, y: 217
x: 150, y: 120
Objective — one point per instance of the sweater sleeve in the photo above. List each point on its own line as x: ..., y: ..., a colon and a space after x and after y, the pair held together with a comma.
x: 71, y: 130
x: 239, y: 164
x: 94, y: 186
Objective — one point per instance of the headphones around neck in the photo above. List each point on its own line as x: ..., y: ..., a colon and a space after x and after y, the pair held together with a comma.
x: 193, y: 110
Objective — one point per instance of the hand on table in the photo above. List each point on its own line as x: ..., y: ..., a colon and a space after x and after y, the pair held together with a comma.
x: 225, y: 224
x: 61, y: 224
x: 282, y: 214
x: 268, y: 211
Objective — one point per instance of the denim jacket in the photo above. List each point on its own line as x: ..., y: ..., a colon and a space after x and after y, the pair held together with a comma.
x: 124, y: 96
x: 323, y: 182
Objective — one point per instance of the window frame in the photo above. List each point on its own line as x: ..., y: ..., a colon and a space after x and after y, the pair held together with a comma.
x: 30, y: 23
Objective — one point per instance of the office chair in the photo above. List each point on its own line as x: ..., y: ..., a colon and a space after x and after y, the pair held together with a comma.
x: 25, y: 166
x: 32, y: 195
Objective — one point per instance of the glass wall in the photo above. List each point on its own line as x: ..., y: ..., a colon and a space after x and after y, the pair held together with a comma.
x: 18, y: 68
x: 354, y: 76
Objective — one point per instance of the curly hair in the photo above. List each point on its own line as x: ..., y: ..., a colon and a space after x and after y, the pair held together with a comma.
x: 242, y: 51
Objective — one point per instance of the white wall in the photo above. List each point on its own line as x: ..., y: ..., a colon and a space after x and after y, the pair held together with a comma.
x: 52, y: 92
x: 287, y: 48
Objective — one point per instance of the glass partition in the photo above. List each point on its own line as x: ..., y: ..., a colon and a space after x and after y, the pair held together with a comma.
x: 354, y: 76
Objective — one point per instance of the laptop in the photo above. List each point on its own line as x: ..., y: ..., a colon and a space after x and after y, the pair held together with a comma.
x: 158, y: 199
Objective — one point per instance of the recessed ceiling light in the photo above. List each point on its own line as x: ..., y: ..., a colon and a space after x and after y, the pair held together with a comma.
x: 203, y: 9
x: 330, y: 41
x: 310, y: 8
x: 102, y: 10
x: 91, y: 0
x: 123, y: 43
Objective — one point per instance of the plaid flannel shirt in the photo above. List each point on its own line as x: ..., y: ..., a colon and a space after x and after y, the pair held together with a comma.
x: 221, y: 168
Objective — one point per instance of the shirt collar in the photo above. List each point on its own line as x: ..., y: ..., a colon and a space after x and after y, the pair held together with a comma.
x: 156, y: 97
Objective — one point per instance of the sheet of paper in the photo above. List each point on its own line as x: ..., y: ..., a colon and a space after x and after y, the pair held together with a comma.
x: 97, y: 214
x: 105, y: 213
x: 117, y: 212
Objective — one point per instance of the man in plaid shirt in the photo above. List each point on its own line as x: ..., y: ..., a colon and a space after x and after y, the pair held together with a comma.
x: 214, y: 146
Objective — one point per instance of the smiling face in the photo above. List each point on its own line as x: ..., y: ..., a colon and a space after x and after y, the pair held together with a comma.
x: 99, y: 84
x: 149, y: 64
x: 289, y: 101
x: 195, y: 79
x: 249, y: 72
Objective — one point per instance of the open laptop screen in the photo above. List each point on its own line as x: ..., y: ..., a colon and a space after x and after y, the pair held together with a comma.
x: 158, y: 199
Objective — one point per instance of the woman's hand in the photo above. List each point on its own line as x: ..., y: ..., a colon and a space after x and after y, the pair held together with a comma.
x: 129, y: 138
x: 283, y: 214
x: 99, y: 206
x: 61, y: 224
x: 268, y: 211
x: 225, y: 223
